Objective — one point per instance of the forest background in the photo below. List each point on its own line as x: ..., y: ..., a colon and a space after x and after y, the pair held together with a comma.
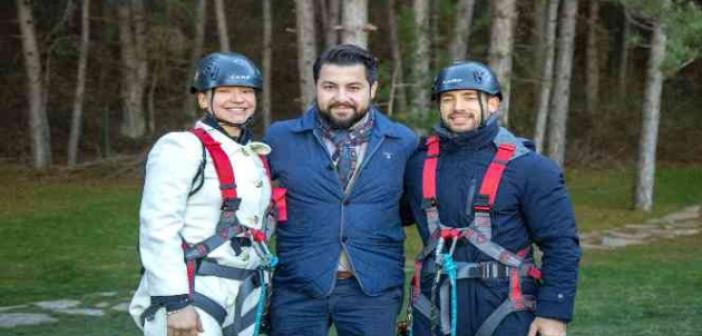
x: 611, y: 90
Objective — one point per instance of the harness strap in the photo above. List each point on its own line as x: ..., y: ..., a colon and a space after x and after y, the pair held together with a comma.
x: 149, y: 313
x: 503, y: 310
x: 211, y: 307
x: 490, y: 248
x: 213, y: 269
x: 481, y: 270
x: 484, y: 270
x: 423, y: 305
x: 248, y: 286
x: 241, y: 322
x: 488, y: 190
x: 280, y: 202
x: 201, y: 249
x: 429, y: 172
x: 493, y: 175
x: 225, y: 173
x: 429, y: 183
x: 277, y: 194
x: 190, y: 266
x: 247, y: 320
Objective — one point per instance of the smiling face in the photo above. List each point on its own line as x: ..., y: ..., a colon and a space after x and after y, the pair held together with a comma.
x: 344, y: 93
x: 231, y: 104
x: 461, y: 112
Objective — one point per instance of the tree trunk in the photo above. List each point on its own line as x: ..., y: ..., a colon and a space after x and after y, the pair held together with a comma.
x: 501, y: 46
x: 646, y: 165
x: 189, y: 109
x: 132, y: 34
x: 546, y: 74
x: 592, y: 78
x: 434, y: 33
x: 222, y: 30
x: 461, y: 29
x: 77, y: 116
x: 306, y: 49
x: 266, y: 62
x: 151, y: 98
x: 622, y: 77
x: 331, y: 14
x: 38, y: 122
x: 538, y: 37
x: 354, y: 19
x: 398, y: 87
x: 421, y: 76
x: 561, y: 92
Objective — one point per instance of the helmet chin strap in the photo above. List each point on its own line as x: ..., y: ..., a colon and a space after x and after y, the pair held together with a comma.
x: 482, y: 109
x: 247, y: 123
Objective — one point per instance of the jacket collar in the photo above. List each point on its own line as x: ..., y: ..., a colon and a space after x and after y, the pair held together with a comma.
x: 471, y: 140
x: 491, y: 134
x: 382, y: 125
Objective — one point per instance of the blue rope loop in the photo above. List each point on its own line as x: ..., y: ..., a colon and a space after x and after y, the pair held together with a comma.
x: 268, y: 262
x: 272, y: 261
x: 261, y: 305
x: 451, y: 270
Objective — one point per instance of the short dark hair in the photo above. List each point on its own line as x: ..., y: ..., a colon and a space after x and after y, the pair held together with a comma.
x: 348, y: 54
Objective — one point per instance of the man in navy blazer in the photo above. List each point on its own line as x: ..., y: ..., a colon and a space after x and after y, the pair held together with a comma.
x: 342, y: 162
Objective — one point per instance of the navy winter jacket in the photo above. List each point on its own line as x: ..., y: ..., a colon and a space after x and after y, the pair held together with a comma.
x: 322, y: 219
x: 531, y: 205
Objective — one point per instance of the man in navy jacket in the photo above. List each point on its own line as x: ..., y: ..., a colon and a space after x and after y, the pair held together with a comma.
x: 497, y: 291
x: 342, y: 162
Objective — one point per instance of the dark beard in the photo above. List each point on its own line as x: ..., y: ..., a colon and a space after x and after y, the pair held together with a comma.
x: 341, y: 124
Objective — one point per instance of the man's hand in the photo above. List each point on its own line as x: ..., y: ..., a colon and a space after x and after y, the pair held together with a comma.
x: 184, y: 322
x: 547, y: 327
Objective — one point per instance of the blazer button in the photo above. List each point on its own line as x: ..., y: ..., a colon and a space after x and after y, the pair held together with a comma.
x: 344, y: 238
x: 347, y: 202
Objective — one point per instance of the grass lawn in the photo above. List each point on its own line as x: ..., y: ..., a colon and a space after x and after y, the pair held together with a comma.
x: 73, y: 236
x: 66, y: 236
x: 641, y: 290
x: 603, y: 199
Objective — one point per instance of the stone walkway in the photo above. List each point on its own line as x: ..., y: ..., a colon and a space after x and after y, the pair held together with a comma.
x: 50, y: 311
x: 687, y: 221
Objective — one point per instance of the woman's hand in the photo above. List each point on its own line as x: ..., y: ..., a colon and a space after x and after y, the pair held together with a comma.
x: 184, y: 322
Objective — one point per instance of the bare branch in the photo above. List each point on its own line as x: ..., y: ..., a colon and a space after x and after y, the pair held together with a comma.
x: 636, y: 22
x: 67, y: 14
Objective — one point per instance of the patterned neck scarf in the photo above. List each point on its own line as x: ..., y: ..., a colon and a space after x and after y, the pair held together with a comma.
x: 345, y: 141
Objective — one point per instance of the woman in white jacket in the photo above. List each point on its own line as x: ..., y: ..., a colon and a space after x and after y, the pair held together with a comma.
x: 214, y: 288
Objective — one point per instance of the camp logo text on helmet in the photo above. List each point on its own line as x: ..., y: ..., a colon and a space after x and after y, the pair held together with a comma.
x: 468, y: 75
x: 226, y: 69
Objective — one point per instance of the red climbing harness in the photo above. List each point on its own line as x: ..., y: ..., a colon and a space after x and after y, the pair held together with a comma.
x: 229, y: 230
x: 478, y: 234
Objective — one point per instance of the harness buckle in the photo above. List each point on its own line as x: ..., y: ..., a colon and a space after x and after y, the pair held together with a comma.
x: 257, y: 235
x: 428, y: 203
x: 482, y: 203
x: 450, y: 233
x: 231, y: 204
x: 492, y: 270
x: 227, y: 186
x: 484, y: 270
